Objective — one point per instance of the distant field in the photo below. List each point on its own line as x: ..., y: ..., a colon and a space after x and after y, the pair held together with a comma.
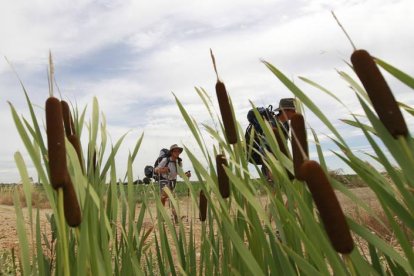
x: 181, y: 190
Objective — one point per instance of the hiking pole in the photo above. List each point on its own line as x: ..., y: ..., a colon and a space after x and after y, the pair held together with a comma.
x: 188, y: 194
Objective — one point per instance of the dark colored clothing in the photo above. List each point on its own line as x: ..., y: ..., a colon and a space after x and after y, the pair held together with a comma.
x: 259, y: 142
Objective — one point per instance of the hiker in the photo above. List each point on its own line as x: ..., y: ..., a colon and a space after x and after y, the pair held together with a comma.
x: 285, y: 111
x: 167, y: 169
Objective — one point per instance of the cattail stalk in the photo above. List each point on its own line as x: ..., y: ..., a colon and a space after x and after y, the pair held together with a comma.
x: 226, y: 113
x: 223, y: 179
x: 379, y: 93
x: 71, y: 205
x: 56, y: 143
x: 328, y: 206
x: 225, y: 108
x: 203, y: 206
x: 300, y: 151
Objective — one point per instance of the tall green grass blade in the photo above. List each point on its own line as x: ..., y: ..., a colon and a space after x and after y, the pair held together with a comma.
x: 320, y: 87
x: 244, y: 254
x: 400, y: 75
x: 32, y: 152
x: 112, y: 155
x: 321, y: 157
x: 375, y: 260
x: 191, y: 124
x: 355, y: 86
x: 23, y: 241
x: 40, y: 257
x: 26, y: 185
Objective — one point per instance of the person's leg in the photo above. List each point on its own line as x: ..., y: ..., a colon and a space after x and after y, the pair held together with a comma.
x: 163, y: 194
x: 171, y: 186
x: 164, y: 197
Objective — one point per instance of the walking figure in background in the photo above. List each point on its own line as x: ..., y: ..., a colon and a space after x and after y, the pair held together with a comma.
x: 285, y: 111
x: 167, y: 170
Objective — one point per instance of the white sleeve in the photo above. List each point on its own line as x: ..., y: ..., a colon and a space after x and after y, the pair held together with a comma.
x: 163, y: 163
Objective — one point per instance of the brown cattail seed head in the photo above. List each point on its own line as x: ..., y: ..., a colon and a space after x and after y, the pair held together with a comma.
x: 71, y: 204
x: 203, y: 206
x: 223, y: 179
x: 226, y: 113
x: 328, y: 206
x: 56, y: 143
x: 74, y: 140
x: 300, y: 150
x: 379, y: 93
x: 66, y: 118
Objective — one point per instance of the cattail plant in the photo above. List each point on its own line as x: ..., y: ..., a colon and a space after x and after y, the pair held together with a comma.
x: 254, y: 233
x: 379, y: 93
x: 223, y: 179
x: 71, y: 205
x: 225, y: 108
x: 66, y: 118
x: 300, y: 150
x: 328, y: 206
x: 203, y: 206
x: 70, y: 131
x: 56, y: 142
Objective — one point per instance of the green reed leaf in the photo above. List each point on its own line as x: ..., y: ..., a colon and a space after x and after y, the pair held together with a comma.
x: 23, y: 241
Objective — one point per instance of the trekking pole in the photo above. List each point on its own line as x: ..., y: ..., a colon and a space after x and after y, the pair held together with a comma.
x: 188, y: 194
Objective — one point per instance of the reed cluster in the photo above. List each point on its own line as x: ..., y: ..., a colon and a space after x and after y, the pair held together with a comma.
x: 239, y: 224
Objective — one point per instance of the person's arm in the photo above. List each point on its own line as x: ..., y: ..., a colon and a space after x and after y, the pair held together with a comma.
x: 162, y: 168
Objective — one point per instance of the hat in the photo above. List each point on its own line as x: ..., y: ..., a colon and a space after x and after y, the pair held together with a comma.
x: 286, y: 103
x: 175, y: 146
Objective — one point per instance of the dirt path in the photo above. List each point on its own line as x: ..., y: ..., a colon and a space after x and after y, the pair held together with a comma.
x: 8, y: 229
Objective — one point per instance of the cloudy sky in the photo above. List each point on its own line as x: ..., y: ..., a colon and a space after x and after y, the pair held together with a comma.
x: 133, y: 55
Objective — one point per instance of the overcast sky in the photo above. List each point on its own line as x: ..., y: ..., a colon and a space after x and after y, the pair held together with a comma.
x: 133, y: 55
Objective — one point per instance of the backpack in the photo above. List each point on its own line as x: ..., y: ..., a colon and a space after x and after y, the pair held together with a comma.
x: 149, y: 170
x: 252, y: 155
x: 267, y: 114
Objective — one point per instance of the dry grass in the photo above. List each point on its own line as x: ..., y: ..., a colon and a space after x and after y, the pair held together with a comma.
x: 39, y: 199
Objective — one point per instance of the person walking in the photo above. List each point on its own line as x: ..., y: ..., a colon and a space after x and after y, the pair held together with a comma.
x: 285, y: 112
x: 167, y: 170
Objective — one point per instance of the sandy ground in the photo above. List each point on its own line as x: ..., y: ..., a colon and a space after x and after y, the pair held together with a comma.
x: 8, y: 232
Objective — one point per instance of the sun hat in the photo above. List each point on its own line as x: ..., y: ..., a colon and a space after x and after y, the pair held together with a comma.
x: 286, y: 103
x: 175, y: 146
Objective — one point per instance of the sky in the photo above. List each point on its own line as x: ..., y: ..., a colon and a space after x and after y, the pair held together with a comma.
x: 134, y: 56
